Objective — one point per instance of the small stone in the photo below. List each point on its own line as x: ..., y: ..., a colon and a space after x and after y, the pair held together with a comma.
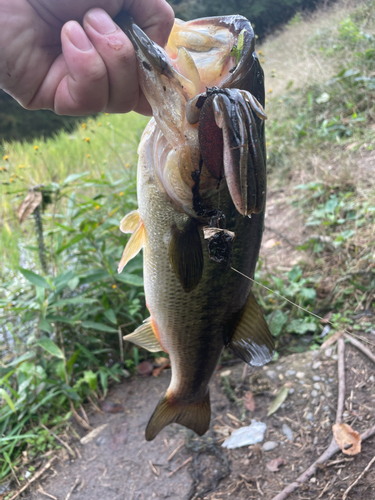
x: 316, y: 365
x: 371, y: 378
x: 326, y: 408
x: 290, y: 372
x: 300, y: 375
x: 291, y: 391
x: 225, y: 373
x: 314, y: 393
x: 317, y: 386
x: 316, y: 440
x: 271, y: 374
x: 101, y: 440
x: 281, y: 376
x: 280, y: 367
x: 316, y: 378
x: 288, y: 433
x: 335, y: 357
x: 309, y: 416
x: 328, y: 352
x: 313, y: 480
x: 269, y: 445
x: 330, y: 380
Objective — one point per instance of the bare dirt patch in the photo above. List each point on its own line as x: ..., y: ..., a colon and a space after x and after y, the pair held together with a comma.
x: 118, y: 464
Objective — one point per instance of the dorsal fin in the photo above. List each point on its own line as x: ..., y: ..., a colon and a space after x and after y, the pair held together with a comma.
x: 133, y: 246
x: 130, y: 222
x: 252, y: 341
x: 145, y: 336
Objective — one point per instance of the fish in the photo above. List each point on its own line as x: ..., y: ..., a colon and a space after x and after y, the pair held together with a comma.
x: 201, y: 188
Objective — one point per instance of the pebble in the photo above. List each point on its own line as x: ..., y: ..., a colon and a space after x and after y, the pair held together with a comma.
x: 288, y: 433
x: 101, y: 440
x: 316, y: 365
x: 317, y: 386
x: 328, y: 352
x: 291, y: 391
x: 290, y: 372
x: 316, y: 378
x: 271, y: 374
x: 316, y: 440
x: 280, y: 367
x: 300, y: 375
x: 309, y: 416
x: 269, y: 445
x: 371, y: 378
x: 335, y: 357
x: 314, y: 393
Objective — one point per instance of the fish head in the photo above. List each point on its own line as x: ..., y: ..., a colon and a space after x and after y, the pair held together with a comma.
x: 206, y: 90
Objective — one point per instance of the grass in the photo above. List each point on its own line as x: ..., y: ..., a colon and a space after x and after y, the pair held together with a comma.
x: 57, y: 351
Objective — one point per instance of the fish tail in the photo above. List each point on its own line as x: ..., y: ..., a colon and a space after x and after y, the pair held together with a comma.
x: 195, y: 416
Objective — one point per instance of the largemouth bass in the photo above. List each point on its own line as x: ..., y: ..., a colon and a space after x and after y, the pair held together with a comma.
x: 201, y: 186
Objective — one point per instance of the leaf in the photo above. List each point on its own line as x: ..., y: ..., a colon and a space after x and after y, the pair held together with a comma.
x: 111, y: 316
x: 35, y: 279
x: 48, y: 345
x: 276, y: 322
x: 278, y: 401
x: 74, y: 177
x: 145, y: 368
x: 45, y: 326
x: 90, y: 377
x: 249, y: 401
x: 101, y: 327
x: 348, y: 440
x: 95, y: 275
x: 301, y: 326
x: 6, y: 397
x: 33, y: 199
x: 273, y: 465
x: 130, y: 279
x: 73, y: 241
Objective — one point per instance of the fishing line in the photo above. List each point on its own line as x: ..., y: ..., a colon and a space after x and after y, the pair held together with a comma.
x: 300, y: 307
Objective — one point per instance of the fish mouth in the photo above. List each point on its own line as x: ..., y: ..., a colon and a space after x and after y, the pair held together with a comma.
x: 199, y: 54
x: 206, y: 91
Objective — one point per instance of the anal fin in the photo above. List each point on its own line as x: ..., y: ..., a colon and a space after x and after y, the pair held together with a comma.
x: 194, y: 416
x: 133, y: 246
x: 252, y: 340
x: 145, y: 336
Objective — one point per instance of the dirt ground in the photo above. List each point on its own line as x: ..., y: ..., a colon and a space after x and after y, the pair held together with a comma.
x: 118, y: 464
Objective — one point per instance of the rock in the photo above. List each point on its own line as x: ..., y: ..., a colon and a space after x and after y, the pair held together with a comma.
x: 309, y: 416
x: 271, y: 374
x: 291, y: 391
x: 300, y: 375
x: 316, y: 365
x: 270, y: 445
x: 317, y: 386
x: 245, y: 436
x: 288, y: 433
x: 316, y: 378
x: 328, y: 352
x: 314, y: 393
x: 290, y: 372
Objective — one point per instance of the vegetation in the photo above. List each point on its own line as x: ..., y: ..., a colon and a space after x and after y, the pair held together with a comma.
x: 63, y: 306
x: 264, y: 15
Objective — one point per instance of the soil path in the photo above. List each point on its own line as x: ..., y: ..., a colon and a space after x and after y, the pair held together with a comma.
x: 119, y: 464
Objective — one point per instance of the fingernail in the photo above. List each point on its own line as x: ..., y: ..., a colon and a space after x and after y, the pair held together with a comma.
x: 78, y: 37
x: 101, y: 21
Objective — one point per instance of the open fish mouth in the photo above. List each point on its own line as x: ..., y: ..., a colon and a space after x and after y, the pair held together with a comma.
x: 207, y: 80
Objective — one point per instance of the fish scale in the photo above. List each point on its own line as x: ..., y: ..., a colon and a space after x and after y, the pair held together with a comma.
x: 197, y: 304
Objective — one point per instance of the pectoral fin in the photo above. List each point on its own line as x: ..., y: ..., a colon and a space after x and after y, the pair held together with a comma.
x: 145, y: 336
x: 252, y: 341
x: 195, y: 416
x: 130, y: 222
x: 186, y: 256
x: 133, y: 246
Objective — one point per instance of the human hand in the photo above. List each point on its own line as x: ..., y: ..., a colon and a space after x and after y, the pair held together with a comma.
x: 48, y: 61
